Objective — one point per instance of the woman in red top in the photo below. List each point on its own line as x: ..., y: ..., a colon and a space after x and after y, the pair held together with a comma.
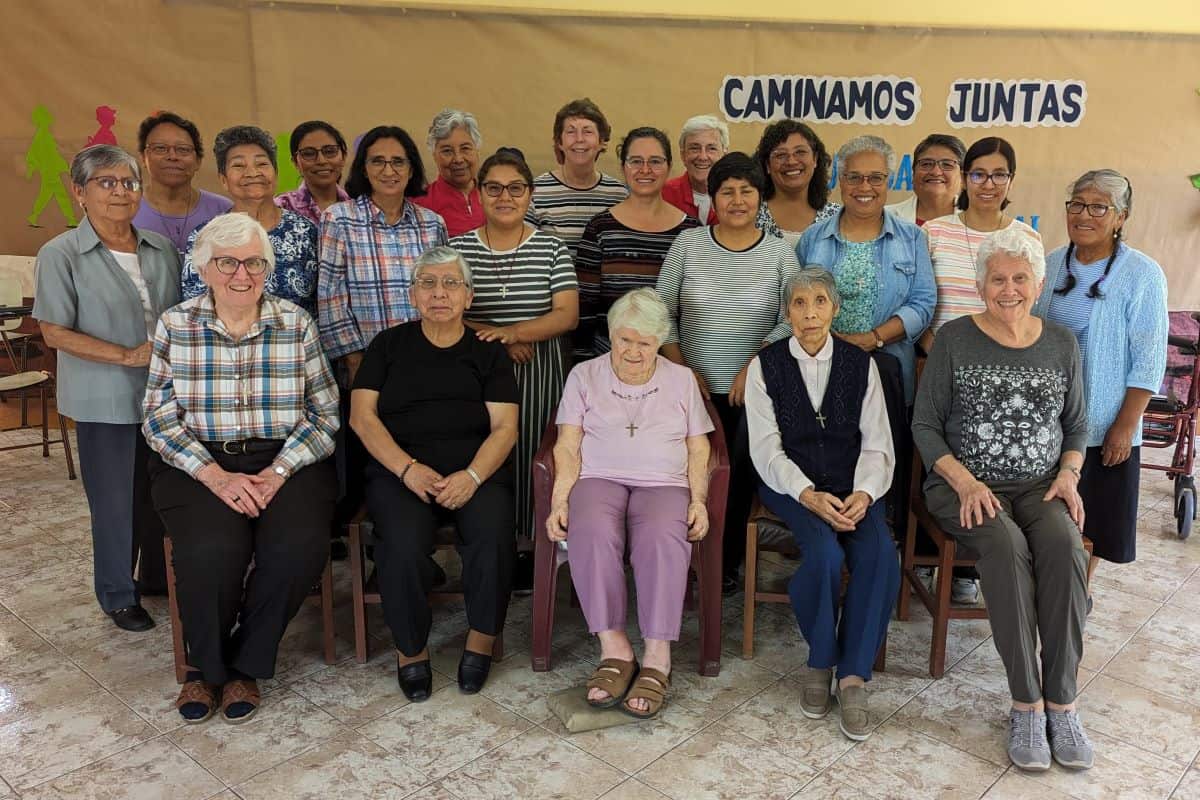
x: 454, y: 141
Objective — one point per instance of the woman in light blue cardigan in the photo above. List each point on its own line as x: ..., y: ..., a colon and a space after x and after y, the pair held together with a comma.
x: 1115, y: 300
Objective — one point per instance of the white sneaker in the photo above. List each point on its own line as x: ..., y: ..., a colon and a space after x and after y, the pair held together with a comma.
x: 964, y: 591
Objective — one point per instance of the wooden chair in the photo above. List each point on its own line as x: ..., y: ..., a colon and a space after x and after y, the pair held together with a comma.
x: 180, y: 645
x: 366, y: 592
x: 548, y: 557
x: 767, y: 532
x: 43, y: 383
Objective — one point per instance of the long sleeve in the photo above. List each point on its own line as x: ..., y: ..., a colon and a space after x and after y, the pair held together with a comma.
x: 588, y: 261
x: 163, y: 426
x: 670, y: 282
x: 311, y: 440
x: 1148, y: 326
x: 1074, y: 414
x: 777, y: 471
x: 917, y: 311
x: 789, y: 267
x: 876, y: 460
x: 932, y: 406
x: 339, y: 331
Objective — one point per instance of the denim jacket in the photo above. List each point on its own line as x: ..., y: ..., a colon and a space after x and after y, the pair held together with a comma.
x: 906, y: 286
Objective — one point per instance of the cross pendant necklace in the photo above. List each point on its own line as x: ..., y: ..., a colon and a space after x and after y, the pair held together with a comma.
x: 821, y: 418
x: 631, y: 428
x: 638, y: 401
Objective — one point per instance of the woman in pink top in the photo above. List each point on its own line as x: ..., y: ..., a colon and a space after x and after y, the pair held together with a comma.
x: 631, y: 462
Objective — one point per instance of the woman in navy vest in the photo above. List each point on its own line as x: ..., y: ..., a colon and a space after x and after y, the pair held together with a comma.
x: 820, y: 440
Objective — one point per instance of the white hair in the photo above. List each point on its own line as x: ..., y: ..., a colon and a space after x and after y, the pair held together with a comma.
x: 813, y: 276
x: 446, y: 121
x: 700, y: 124
x: 866, y: 144
x: 233, y: 229
x: 1015, y: 242
x: 442, y: 254
x: 643, y: 311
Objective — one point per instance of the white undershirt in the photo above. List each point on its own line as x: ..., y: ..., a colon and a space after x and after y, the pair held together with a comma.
x: 876, y: 460
x: 704, y: 204
x: 129, y: 263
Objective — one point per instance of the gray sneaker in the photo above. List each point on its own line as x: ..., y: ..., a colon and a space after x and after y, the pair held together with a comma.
x: 814, y: 695
x: 964, y: 591
x: 1027, y: 745
x: 925, y: 576
x: 855, y: 720
x: 1068, y: 742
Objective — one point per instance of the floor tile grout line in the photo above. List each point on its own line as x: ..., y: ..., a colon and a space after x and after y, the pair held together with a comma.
x: 93, y: 762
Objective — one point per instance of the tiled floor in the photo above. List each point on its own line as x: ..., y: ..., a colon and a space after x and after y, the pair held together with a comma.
x: 86, y: 710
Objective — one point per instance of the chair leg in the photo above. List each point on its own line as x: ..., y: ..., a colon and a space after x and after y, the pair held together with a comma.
x: 357, y: 578
x: 45, y: 423
x: 709, y: 581
x: 498, y: 648
x: 941, y: 614
x: 906, y: 567
x: 66, y: 443
x: 328, y: 633
x: 545, y: 589
x: 177, y: 641
x: 751, y: 588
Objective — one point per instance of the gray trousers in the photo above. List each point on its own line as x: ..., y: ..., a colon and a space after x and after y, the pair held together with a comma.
x: 1033, y: 573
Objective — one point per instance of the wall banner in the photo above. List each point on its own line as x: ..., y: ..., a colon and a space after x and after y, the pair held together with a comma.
x: 870, y: 100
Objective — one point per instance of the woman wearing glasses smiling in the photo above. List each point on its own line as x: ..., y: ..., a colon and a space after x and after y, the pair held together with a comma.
x: 319, y: 152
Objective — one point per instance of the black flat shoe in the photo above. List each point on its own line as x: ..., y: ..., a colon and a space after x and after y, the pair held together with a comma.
x: 132, y: 618
x: 473, y: 669
x: 416, y: 681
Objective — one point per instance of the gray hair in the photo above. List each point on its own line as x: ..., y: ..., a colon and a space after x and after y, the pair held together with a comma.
x: 446, y: 121
x: 700, y: 124
x: 443, y: 254
x: 92, y: 159
x: 229, y: 230
x: 1108, y: 182
x: 238, y: 135
x: 866, y: 144
x: 813, y: 276
x: 643, y: 311
x: 1012, y: 241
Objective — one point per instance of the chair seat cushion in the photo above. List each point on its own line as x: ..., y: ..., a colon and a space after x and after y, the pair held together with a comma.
x: 22, y: 380
x: 773, y: 535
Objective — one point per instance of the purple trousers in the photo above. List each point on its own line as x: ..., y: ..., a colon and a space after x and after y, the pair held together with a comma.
x: 602, y: 515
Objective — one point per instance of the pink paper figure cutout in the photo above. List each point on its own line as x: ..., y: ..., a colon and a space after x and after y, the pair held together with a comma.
x: 44, y: 160
x: 107, y: 117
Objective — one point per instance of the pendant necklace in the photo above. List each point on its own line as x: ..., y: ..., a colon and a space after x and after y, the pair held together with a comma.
x: 639, y: 400
x: 181, y: 230
x: 506, y: 273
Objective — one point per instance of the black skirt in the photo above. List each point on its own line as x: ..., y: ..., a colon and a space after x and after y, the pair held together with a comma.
x: 1110, y: 501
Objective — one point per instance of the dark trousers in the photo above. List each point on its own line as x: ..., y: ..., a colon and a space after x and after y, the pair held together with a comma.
x: 350, y: 458
x: 113, y: 460
x: 843, y: 632
x: 404, y: 546
x: 213, y: 547
x: 742, y: 481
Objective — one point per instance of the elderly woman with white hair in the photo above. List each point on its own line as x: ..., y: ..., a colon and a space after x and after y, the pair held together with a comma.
x: 703, y: 140
x: 1001, y: 422
x: 242, y: 408
x: 436, y: 408
x: 822, y: 445
x: 454, y: 140
x: 631, y: 469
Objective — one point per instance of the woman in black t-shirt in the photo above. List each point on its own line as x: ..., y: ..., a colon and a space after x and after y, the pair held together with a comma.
x: 437, y: 410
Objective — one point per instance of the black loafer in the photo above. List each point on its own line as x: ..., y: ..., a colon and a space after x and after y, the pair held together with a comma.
x: 416, y: 681
x: 473, y: 669
x: 132, y: 618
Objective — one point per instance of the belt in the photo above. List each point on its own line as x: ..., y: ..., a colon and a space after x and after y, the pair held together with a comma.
x: 244, y: 447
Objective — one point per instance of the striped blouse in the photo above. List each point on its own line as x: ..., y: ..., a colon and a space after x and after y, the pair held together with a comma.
x: 564, y: 211
x: 614, y: 259
x: 723, y: 303
x: 515, y: 285
x: 952, y: 248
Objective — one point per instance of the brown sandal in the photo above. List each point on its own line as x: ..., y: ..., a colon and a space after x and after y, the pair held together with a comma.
x: 613, y: 676
x: 651, y: 685
x: 197, y: 692
x: 240, y: 691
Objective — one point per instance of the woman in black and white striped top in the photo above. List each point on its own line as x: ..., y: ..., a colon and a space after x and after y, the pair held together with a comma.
x: 526, y: 296
x: 724, y: 288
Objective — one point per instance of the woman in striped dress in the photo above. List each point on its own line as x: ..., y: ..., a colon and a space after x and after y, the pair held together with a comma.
x: 525, y: 297
x: 622, y: 249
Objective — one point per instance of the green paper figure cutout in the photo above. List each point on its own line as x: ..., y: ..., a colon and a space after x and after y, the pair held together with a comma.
x: 43, y: 159
x: 288, y: 177
x: 1195, y: 179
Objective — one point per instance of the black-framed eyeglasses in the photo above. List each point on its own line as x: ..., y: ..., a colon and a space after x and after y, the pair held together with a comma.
x: 109, y: 183
x: 494, y: 188
x: 180, y: 150
x: 944, y: 164
x: 1093, y: 209
x: 228, y: 265
x: 429, y: 283
x: 873, y: 178
x: 655, y: 163
x: 979, y: 177
x: 379, y: 163
x: 330, y: 151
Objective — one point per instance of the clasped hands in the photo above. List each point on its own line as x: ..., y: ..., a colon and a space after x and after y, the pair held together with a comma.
x: 451, y: 491
x: 246, y: 494
x: 841, y: 515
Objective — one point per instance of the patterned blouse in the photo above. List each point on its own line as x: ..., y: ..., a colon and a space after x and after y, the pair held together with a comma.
x: 857, y: 282
x: 766, y: 222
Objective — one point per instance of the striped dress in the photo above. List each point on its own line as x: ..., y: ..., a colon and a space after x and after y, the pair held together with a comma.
x: 952, y: 248
x: 614, y: 259
x: 513, y: 286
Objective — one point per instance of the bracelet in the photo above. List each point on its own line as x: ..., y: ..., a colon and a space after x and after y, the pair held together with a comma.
x: 404, y: 471
x: 474, y: 476
x: 1076, y: 470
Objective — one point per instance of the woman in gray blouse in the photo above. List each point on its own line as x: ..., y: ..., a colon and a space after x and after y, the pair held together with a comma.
x: 99, y: 291
x: 1001, y: 423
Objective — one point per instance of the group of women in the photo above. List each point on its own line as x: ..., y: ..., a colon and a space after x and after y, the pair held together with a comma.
x: 736, y: 295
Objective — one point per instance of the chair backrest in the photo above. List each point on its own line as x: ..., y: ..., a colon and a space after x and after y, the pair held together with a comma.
x: 10, y: 295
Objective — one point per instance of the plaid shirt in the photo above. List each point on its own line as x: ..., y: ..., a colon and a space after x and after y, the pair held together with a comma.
x: 301, y: 201
x: 366, y: 270
x: 273, y: 383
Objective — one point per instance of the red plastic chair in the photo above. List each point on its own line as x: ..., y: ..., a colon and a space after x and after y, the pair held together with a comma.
x: 706, y: 554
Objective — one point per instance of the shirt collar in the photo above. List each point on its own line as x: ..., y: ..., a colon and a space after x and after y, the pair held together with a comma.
x: 408, y: 215
x: 888, y: 230
x: 89, y: 239
x: 204, y: 314
x: 824, y: 354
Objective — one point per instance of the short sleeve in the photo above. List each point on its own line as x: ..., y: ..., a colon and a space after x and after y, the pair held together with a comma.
x: 698, y: 420
x: 372, y: 372
x: 500, y: 385
x: 573, y: 404
x: 55, y: 299
x: 562, y: 273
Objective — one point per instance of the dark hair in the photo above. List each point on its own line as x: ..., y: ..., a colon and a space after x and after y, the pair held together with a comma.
x: 506, y: 157
x: 169, y: 118
x: 359, y: 185
x: 776, y: 134
x: 644, y: 132
x: 735, y: 165
x: 242, y: 134
x: 305, y: 128
x: 986, y: 147
x: 583, y: 108
x: 952, y: 143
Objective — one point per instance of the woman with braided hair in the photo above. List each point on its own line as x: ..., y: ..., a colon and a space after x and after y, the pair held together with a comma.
x: 1114, y: 298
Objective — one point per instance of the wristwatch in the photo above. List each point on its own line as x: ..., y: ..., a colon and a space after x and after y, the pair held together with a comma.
x: 879, y: 342
x: 280, y: 471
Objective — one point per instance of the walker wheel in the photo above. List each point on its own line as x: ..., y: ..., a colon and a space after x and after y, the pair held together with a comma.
x: 1185, y: 511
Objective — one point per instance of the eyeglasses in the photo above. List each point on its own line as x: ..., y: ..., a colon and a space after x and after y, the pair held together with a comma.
x: 655, y: 163
x: 379, y: 163
x: 330, y: 151
x: 515, y: 189
x: 1093, y: 209
x: 180, y: 150
x: 696, y: 149
x: 228, y: 265
x: 944, y: 164
x: 873, y: 178
x: 783, y: 156
x: 429, y: 283
x: 979, y: 177
x: 108, y: 183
